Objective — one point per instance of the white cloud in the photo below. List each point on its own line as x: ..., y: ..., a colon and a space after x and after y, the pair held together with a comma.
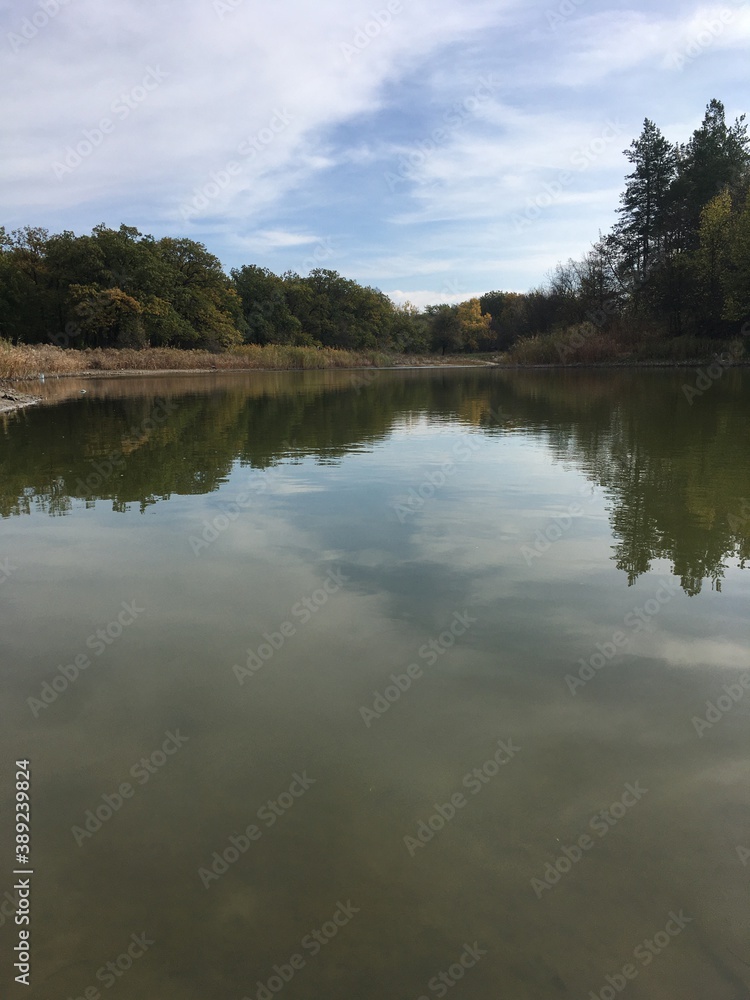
x: 277, y: 238
x: 620, y: 40
x: 422, y: 298
x: 274, y: 122
x: 227, y: 80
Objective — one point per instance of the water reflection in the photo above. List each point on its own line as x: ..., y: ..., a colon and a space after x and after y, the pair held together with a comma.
x: 394, y: 513
x: 676, y: 475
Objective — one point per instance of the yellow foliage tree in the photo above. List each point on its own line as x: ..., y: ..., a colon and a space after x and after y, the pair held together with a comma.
x: 475, y: 325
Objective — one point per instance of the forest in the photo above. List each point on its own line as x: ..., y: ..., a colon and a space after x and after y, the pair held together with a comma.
x: 674, y: 270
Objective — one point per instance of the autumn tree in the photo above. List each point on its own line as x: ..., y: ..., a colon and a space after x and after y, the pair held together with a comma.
x: 474, y: 326
x: 709, y: 263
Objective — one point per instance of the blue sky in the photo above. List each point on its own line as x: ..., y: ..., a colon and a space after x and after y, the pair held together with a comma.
x: 432, y: 148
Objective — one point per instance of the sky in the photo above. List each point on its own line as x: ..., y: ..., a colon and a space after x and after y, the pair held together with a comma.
x: 434, y: 149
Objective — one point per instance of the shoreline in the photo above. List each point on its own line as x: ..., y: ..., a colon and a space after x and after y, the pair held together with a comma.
x: 11, y: 399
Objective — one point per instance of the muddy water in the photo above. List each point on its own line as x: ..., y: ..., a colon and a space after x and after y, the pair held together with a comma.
x: 397, y: 684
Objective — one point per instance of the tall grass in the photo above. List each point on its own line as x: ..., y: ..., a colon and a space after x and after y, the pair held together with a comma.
x: 577, y: 345
x: 586, y: 345
x: 30, y: 360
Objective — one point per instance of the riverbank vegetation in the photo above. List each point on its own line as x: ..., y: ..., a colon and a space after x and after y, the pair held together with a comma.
x: 673, y: 277
x: 24, y: 361
x: 670, y: 282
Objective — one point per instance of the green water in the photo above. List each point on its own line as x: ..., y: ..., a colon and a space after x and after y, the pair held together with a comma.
x: 368, y: 599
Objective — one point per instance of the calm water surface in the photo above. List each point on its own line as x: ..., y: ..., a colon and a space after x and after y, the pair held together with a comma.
x: 366, y: 668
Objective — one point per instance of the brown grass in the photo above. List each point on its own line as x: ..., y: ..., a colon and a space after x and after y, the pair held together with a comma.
x: 577, y: 345
x: 586, y: 345
x: 30, y: 360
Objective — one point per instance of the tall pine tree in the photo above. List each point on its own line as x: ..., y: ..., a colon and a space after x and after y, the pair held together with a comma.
x: 645, y: 200
x: 716, y: 157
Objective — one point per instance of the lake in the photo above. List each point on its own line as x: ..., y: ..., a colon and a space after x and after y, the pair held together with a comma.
x: 393, y: 684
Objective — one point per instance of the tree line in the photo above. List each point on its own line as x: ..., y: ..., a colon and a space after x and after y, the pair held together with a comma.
x: 677, y: 262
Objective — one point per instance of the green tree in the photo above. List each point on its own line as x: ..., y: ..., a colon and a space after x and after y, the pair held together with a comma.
x: 337, y: 312
x: 445, y: 328
x: 108, y: 316
x: 410, y: 330
x: 31, y: 304
x: 646, y: 197
x: 716, y: 157
x: 709, y: 263
x: 265, y: 308
x: 736, y: 273
x: 201, y: 294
